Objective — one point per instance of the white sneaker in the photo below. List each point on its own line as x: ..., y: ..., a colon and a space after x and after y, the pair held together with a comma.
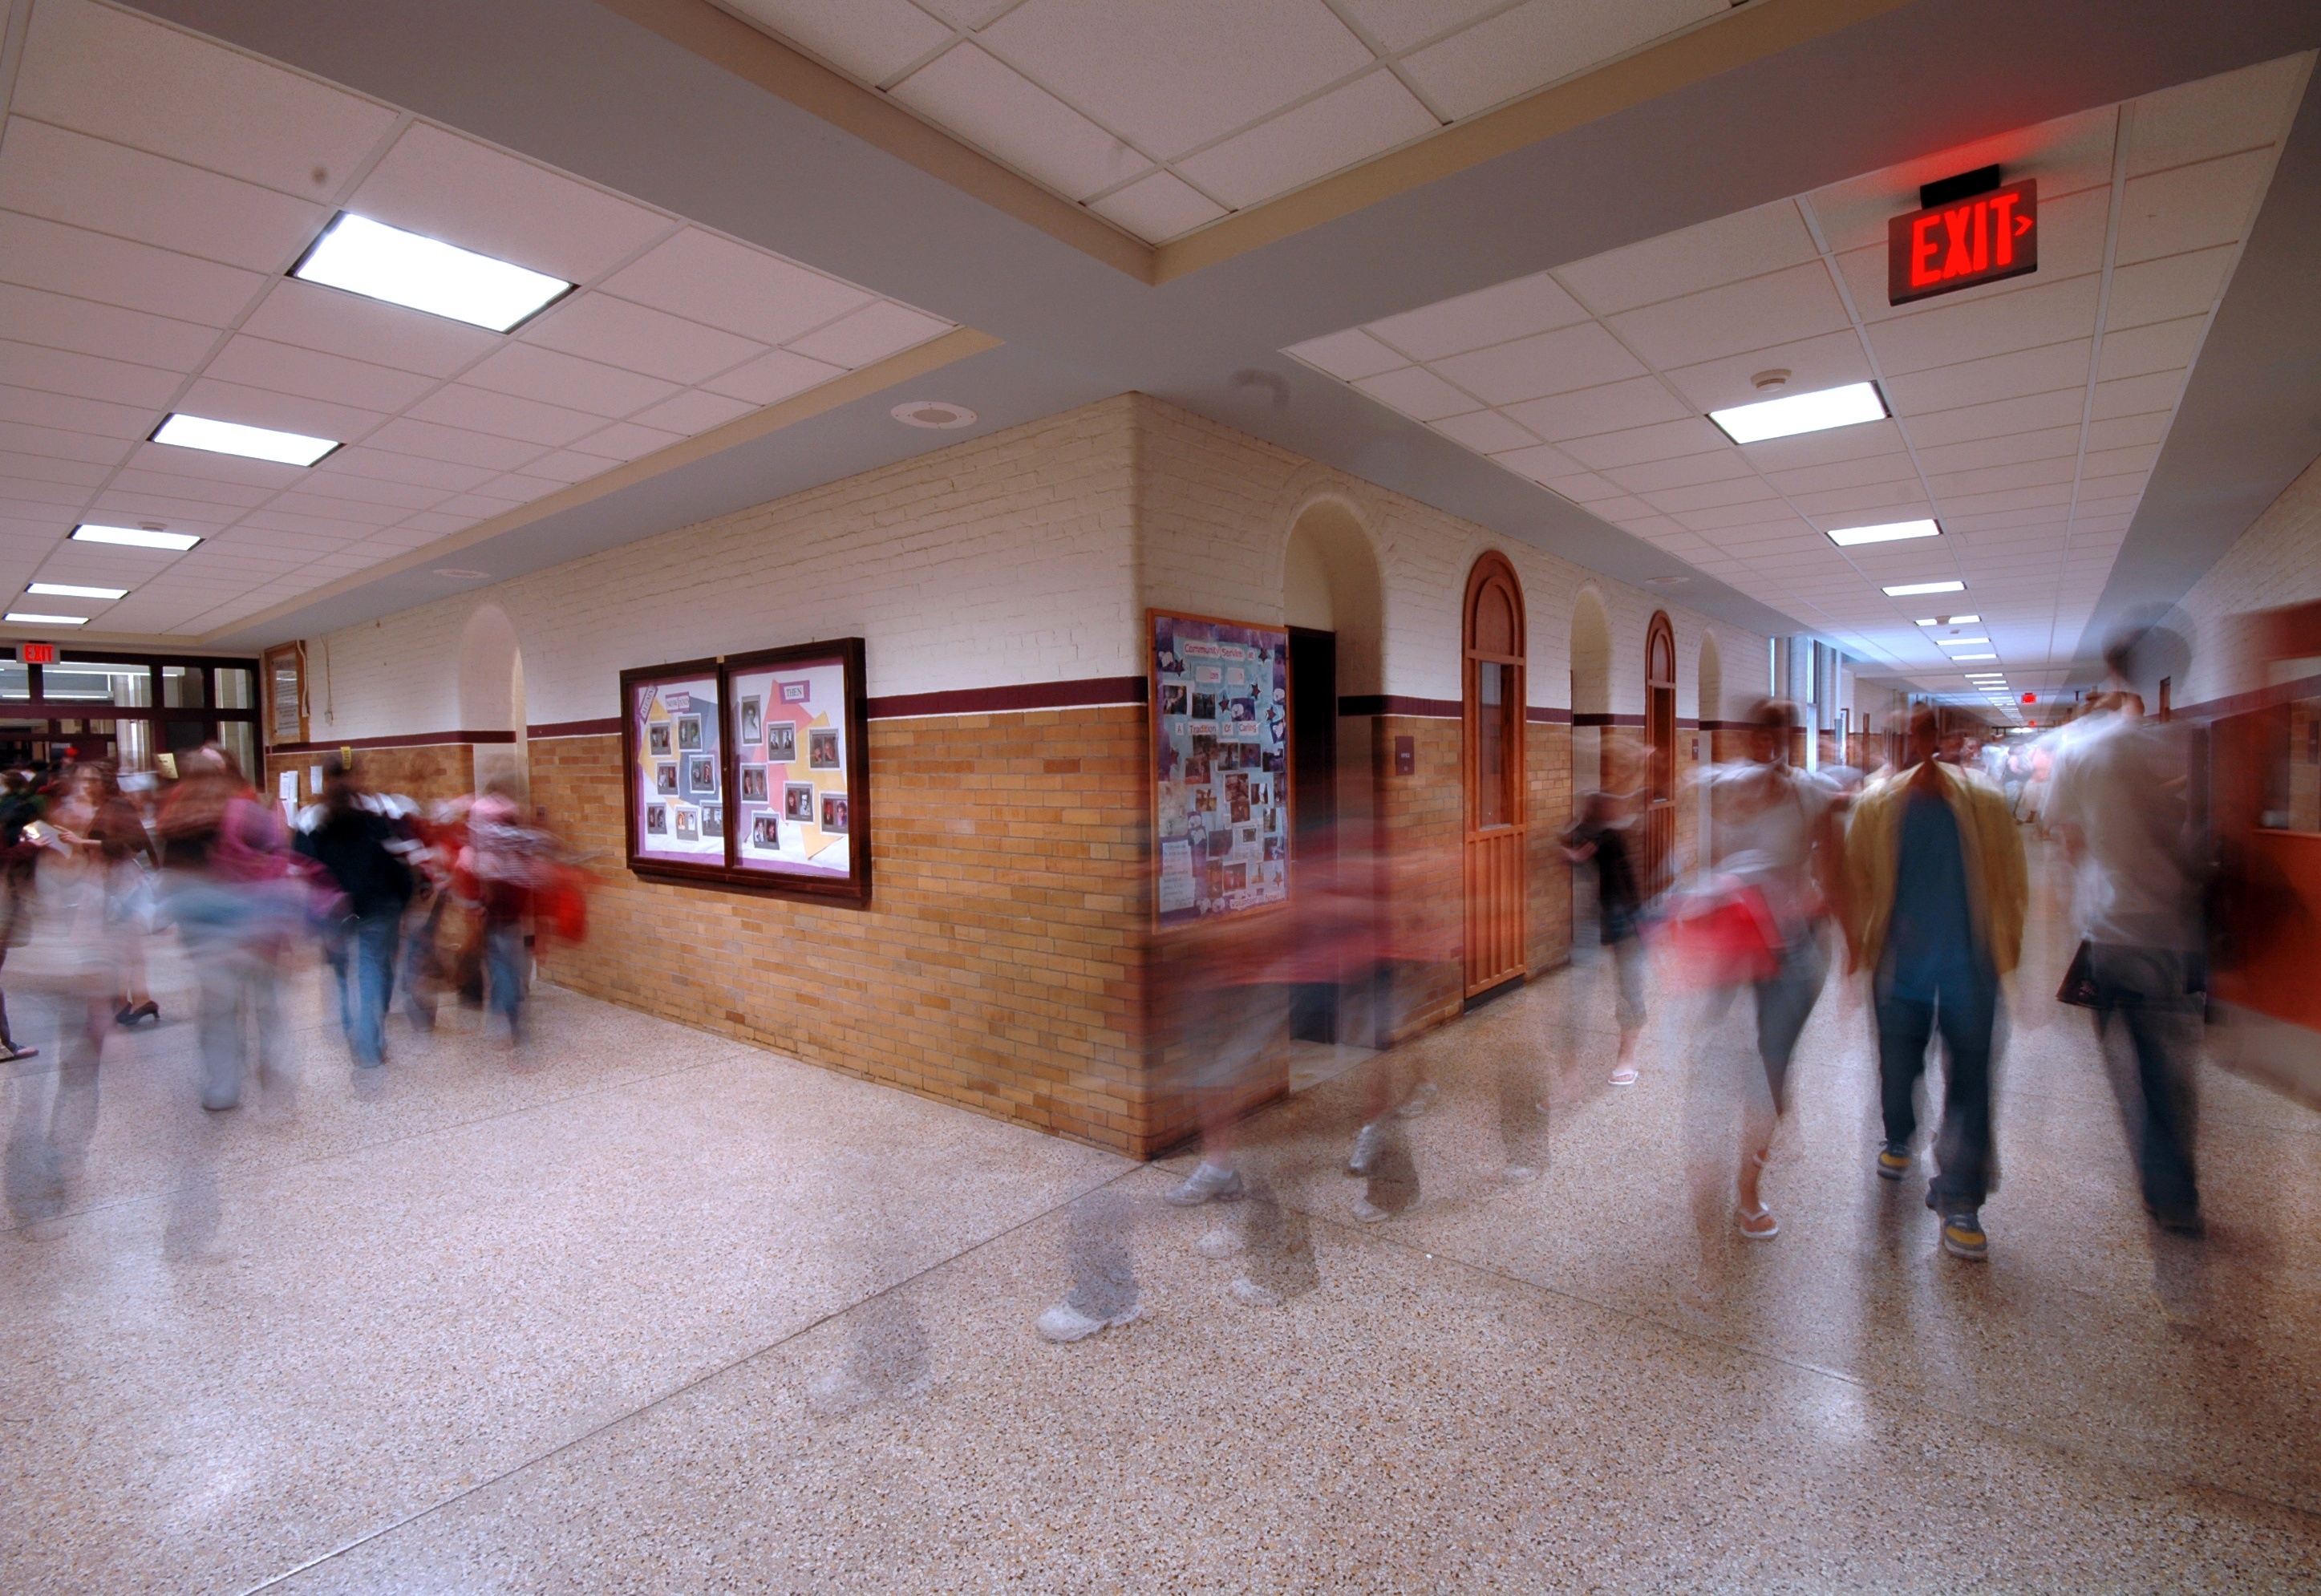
x: 1369, y: 1213
x: 1367, y: 1141
x: 1249, y: 1294
x: 1064, y: 1322
x: 1420, y: 1101
x: 1221, y: 1242
x: 1208, y: 1184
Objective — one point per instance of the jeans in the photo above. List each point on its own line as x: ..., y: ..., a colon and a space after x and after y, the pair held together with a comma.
x: 367, y: 981
x: 1965, y: 1009
x: 1785, y: 1001
x: 229, y: 933
x: 1628, y: 981
x: 503, y: 970
x: 2147, y: 1024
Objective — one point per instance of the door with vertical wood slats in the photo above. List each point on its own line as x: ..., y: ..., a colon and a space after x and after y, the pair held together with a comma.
x: 1494, y: 838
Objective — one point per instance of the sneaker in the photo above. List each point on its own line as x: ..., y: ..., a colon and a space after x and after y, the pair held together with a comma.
x: 1221, y: 1244
x: 1893, y: 1162
x: 1208, y: 1184
x: 1249, y: 1294
x: 2180, y: 1221
x: 1064, y: 1323
x: 1369, y: 1213
x: 1367, y: 1141
x: 1421, y: 1101
x: 1963, y: 1236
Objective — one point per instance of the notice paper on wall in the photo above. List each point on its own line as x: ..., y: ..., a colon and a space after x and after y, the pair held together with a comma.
x: 1220, y: 801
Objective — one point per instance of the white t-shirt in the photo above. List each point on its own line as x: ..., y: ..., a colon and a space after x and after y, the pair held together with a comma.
x: 2123, y: 786
x: 1762, y: 827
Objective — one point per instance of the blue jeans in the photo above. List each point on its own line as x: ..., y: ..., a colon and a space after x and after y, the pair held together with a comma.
x: 1965, y: 1009
x: 503, y: 970
x: 2147, y: 1018
x: 367, y: 981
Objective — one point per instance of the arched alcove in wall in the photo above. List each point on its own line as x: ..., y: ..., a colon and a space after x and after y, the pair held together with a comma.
x: 491, y: 698
x: 1591, y: 692
x: 1330, y: 583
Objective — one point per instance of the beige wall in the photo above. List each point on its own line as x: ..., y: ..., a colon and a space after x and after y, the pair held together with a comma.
x: 2276, y: 561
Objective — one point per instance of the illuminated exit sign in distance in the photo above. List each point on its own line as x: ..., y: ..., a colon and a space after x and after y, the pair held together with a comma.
x: 1964, y: 243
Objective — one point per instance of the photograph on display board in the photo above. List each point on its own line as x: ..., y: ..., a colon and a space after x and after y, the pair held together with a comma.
x: 1220, y: 785
x: 751, y: 722
x: 673, y: 708
x: 801, y: 774
x: 713, y: 820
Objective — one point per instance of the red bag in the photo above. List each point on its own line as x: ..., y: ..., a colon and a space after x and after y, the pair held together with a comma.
x: 1721, y: 937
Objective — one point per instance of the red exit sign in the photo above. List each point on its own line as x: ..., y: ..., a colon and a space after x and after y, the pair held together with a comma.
x: 36, y: 654
x: 1964, y: 243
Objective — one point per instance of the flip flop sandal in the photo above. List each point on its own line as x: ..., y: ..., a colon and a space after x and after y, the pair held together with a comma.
x: 1623, y: 1077
x: 1759, y: 1226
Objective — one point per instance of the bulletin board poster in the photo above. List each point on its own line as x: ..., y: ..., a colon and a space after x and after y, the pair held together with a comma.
x: 794, y: 743
x: 1221, y: 767
x: 677, y: 789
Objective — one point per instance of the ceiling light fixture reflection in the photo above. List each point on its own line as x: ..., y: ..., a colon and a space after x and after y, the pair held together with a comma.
x: 1959, y: 642
x: 250, y: 442
x: 1912, y: 590
x: 66, y: 590
x: 1952, y: 621
x: 381, y: 262
x: 25, y: 618
x: 1974, y: 656
x: 1891, y: 531
x: 135, y: 537
x: 1850, y: 405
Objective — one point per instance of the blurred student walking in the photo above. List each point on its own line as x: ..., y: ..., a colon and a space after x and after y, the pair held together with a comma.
x: 354, y: 844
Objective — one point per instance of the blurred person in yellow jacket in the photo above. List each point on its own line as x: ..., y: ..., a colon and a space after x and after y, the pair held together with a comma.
x: 1936, y: 893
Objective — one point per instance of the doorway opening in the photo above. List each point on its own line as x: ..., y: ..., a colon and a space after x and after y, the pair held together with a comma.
x: 1660, y: 737
x: 1495, y: 832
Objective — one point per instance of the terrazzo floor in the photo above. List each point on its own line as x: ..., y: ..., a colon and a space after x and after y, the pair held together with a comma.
x: 634, y: 1308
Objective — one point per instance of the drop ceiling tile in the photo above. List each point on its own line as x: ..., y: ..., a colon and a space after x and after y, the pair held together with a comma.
x: 523, y: 488
x: 528, y: 371
x: 456, y: 445
x: 67, y: 176
x: 56, y: 322
x: 434, y: 523
x: 625, y: 439
x: 2121, y: 432
x: 2213, y: 116
x: 869, y: 335
x: 38, y: 467
x: 63, y: 444
x: 1716, y: 517
x: 310, y: 316
x: 156, y: 468
x: 385, y: 466
x: 258, y: 407
x: 695, y: 412
x: 22, y: 500
x: 352, y: 520
x: 50, y: 255
x: 30, y: 408
x: 2106, y: 462
x: 2188, y: 208
x: 2165, y: 290
x: 1347, y: 125
x: 2045, y: 443
x: 455, y: 189
x: 1668, y: 440
x: 1545, y: 463
x: 1418, y: 393
x: 730, y: 286
x: 1540, y: 44
x: 1157, y: 206
x: 773, y: 378
x: 1845, y: 501
x: 565, y: 467
x: 258, y: 363
x: 2050, y: 313
x: 1749, y: 490
x: 597, y: 327
x: 1227, y: 63
x: 868, y: 39
x: 2013, y: 498
x: 478, y: 505
x: 996, y: 108
x: 119, y: 76
x: 2138, y: 395
x: 1556, y: 362
x: 1640, y: 401
x: 1829, y: 359
x: 1486, y: 432
x: 1583, y: 487
x: 406, y: 497
x: 1998, y: 377
x: 1347, y: 356
x: 1846, y: 473
x: 1996, y: 418
x: 1957, y: 487
x: 2139, y: 351
x: 1398, y: 24
x: 1662, y: 475
x: 332, y: 501
x: 504, y: 415
x: 1780, y: 308
x: 87, y: 377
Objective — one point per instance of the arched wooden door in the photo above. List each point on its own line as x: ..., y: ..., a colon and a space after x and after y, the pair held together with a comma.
x: 1493, y: 840
x: 1660, y: 737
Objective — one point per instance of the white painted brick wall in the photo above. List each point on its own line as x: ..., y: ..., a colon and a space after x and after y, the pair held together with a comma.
x: 2276, y: 561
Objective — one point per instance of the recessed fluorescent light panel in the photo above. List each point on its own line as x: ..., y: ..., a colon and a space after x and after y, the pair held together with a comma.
x: 1912, y: 590
x: 382, y: 262
x: 1959, y: 642
x: 25, y: 618
x: 135, y: 537
x: 1891, y: 532
x: 1974, y: 656
x: 251, y: 442
x: 1801, y: 413
x: 66, y: 590
x: 1952, y: 621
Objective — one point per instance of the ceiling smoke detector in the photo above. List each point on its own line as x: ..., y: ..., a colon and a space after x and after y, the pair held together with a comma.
x: 1767, y: 382
x: 937, y: 415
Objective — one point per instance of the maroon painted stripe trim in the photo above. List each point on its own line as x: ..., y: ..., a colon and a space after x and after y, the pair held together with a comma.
x: 1554, y: 717
x: 610, y: 726
x: 1388, y: 704
x: 2260, y: 698
x: 1592, y: 719
x: 1030, y: 694
x: 412, y: 740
